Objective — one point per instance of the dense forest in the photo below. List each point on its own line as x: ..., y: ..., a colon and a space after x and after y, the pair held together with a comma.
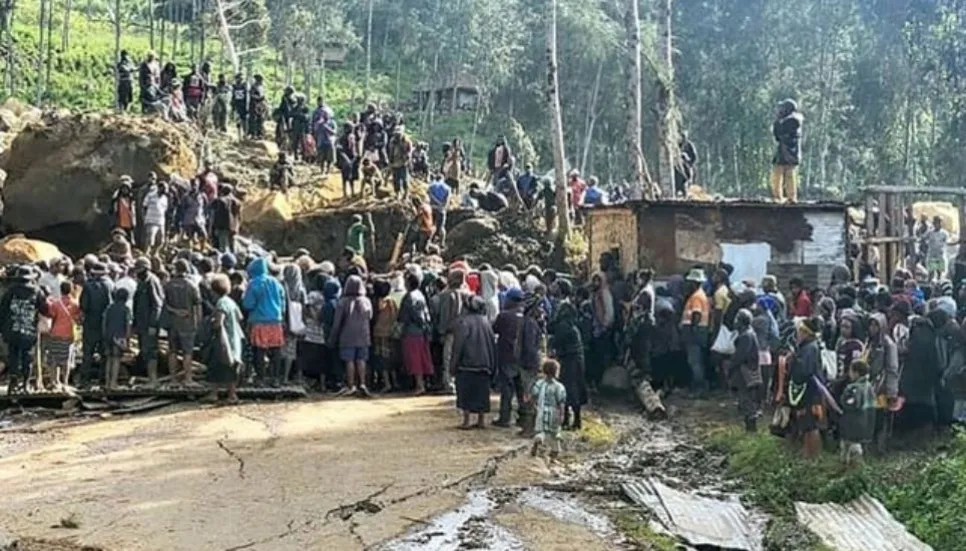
x: 881, y: 82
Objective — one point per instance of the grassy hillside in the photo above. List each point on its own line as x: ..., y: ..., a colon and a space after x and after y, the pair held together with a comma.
x: 82, y: 75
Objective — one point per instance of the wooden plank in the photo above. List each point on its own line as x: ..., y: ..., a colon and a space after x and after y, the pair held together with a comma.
x: 869, y: 232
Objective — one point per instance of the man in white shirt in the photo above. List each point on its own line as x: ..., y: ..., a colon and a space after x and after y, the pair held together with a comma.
x: 155, y: 213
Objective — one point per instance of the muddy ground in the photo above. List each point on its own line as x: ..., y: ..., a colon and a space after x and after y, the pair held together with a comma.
x: 326, y: 474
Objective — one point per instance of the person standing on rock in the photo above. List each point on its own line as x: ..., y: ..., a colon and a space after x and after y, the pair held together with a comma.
x: 123, y: 207
x: 323, y: 126
x: 148, y: 304
x: 347, y: 152
x: 193, y: 207
x: 257, y: 109
x: 239, y: 104
x: 499, y: 161
x: 125, y: 81
x: 220, y: 109
x: 155, y: 217
x: 400, y: 155
x: 299, y: 130
x: 225, y: 219
x: 439, y: 194
x: 195, y: 87
x: 94, y: 300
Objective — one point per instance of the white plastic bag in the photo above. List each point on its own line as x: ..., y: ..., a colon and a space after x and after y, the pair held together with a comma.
x: 296, y: 324
x: 724, y: 343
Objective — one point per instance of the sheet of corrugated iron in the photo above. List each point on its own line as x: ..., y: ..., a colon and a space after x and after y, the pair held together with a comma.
x: 860, y: 525
x: 698, y: 520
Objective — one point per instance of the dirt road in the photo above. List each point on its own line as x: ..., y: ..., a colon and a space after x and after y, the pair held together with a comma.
x: 331, y: 474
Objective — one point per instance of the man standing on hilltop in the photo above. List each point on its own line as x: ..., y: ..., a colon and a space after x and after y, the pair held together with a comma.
x: 125, y: 81
x: 400, y: 154
x: 239, y: 103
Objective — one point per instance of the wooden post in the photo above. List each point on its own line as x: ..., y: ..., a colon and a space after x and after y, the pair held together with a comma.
x: 869, y: 225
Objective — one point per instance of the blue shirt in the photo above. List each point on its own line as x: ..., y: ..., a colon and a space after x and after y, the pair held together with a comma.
x: 593, y: 196
x: 527, y: 184
x: 439, y: 194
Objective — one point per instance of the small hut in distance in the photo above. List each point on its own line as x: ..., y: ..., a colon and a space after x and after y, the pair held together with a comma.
x: 458, y: 92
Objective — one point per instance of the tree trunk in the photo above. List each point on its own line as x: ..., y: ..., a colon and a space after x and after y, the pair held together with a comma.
x: 226, y: 43
x: 556, y: 124
x: 50, y: 40
x: 668, y: 122
x: 398, y: 78
x: 40, y: 51
x: 65, y: 34
x: 117, y: 50
x: 11, y: 65
x: 368, y: 52
x: 163, y: 33
x: 322, y: 72
x: 431, y: 99
x: 191, y: 32
x: 201, y: 28
x: 150, y: 23
x: 637, y: 167
x: 591, y: 120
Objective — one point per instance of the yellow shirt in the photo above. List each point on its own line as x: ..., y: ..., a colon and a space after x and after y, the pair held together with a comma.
x: 697, y: 302
x: 722, y: 298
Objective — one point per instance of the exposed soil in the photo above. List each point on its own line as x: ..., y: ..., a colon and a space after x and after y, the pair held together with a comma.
x: 328, y: 474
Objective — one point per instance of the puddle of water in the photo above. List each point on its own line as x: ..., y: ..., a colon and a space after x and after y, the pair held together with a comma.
x: 466, y: 527
x: 566, y: 509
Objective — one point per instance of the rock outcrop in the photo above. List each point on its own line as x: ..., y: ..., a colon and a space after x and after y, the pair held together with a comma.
x: 60, y: 176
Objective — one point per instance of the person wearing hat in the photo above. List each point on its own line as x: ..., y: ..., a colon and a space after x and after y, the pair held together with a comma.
x: 695, y: 322
x: 94, y: 300
x: 119, y: 249
x: 20, y: 309
x: 787, y: 130
x: 123, y: 207
x: 148, y: 304
x: 518, y: 358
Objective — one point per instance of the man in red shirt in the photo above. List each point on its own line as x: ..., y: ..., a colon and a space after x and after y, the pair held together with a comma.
x: 801, y: 303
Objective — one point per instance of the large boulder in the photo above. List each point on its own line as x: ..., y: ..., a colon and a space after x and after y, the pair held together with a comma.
x: 17, y: 249
x: 60, y: 177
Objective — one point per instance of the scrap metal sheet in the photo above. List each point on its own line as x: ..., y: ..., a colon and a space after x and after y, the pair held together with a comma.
x: 698, y: 520
x: 859, y: 525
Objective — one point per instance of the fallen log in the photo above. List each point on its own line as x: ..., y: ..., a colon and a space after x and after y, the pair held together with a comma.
x: 650, y: 400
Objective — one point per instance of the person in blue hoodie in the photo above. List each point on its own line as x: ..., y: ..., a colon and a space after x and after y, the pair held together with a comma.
x: 332, y: 371
x: 264, y: 301
x: 593, y: 195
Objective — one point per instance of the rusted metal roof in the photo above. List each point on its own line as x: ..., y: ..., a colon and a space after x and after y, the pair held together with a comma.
x: 727, y: 203
x: 859, y: 525
x: 697, y: 520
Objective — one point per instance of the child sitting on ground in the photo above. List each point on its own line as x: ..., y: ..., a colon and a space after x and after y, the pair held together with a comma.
x: 117, y: 334
x: 550, y: 398
x: 858, y: 418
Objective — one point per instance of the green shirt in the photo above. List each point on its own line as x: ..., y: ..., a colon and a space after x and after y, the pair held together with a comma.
x: 356, y: 237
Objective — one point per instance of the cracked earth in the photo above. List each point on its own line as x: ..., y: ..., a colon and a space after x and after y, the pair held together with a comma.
x: 334, y: 474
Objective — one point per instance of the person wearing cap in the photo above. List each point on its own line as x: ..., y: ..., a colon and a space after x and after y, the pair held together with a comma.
x: 94, y: 300
x: 148, y: 305
x: 20, y: 311
x: 518, y: 358
x: 695, y: 322
x: 182, y: 305
x: 123, y: 207
x: 787, y: 130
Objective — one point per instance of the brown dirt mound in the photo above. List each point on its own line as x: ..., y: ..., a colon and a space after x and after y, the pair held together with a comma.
x: 61, y: 175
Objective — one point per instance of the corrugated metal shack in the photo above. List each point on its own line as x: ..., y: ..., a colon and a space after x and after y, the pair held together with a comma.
x: 787, y: 240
